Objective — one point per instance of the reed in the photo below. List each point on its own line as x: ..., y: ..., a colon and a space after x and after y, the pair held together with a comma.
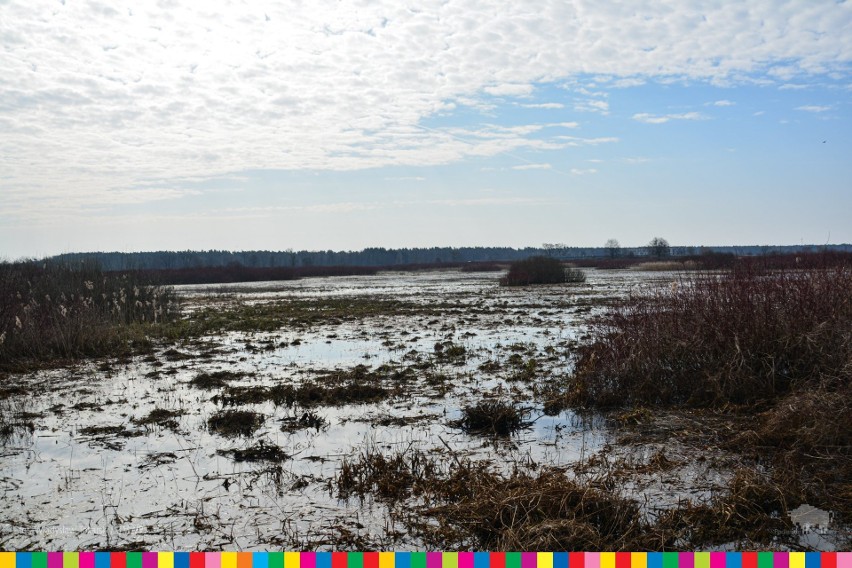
x: 52, y: 311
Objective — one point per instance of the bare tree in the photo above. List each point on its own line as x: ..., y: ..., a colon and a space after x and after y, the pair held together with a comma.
x: 613, y: 247
x: 553, y: 248
x: 658, y: 247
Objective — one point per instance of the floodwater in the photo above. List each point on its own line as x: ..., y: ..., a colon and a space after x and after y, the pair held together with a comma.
x: 88, y: 473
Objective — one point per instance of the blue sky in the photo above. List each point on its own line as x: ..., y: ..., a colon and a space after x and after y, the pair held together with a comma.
x: 341, y: 125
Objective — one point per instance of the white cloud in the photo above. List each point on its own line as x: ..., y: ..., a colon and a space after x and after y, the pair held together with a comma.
x: 592, y: 105
x: 661, y: 119
x: 581, y: 172
x: 814, y: 108
x: 96, y: 97
x: 509, y: 90
x: 532, y: 167
x: 578, y: 141
x: 723, y: 103
x: 544, y: 105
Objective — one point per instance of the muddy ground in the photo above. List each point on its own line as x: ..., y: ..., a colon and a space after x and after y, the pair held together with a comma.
x: 338, y: 413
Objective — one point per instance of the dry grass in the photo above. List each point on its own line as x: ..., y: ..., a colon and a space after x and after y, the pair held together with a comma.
x: 753, y: 509
x: 774, y: 344
x: 51, y: 311
x: 492, y: 417
x: 214, y: 380
x: 232, y: 423
x: 260, y: 452
x: 740, y: 337
x: 483, y: 510
x: 389, y: 477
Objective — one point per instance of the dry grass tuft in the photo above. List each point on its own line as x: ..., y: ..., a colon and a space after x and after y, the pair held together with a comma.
x: 492, y: 417
x: 232, y: 423
x: 261, y: 452
x: 391, y: 477
x: 480, y: 509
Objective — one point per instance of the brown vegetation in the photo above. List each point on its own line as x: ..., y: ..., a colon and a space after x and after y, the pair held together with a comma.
x: 232, y: 423
x: 541, y: 270
x: 492, y: 417
x: 54, y: 311
x: 778, y: 342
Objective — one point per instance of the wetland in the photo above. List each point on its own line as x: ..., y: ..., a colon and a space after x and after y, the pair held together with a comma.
x: 396, y: 410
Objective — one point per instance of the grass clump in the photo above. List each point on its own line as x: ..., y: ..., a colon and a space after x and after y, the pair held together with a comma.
x: 214, y: 380
x: 492, y: 417
x: 479, y: 509
x: 389, y: 477
x: 541, y: 270
x: 305, y: 421
x: 261, y: 452
x: 752, y: 509
x: 160, y: 417
x: 233, y: 423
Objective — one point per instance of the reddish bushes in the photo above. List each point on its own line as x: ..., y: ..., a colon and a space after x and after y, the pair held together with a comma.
x: 740, y: 337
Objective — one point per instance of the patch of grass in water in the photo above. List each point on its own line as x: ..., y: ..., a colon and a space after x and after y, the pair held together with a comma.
x: 261, y: 452
x: 389, y: 477
x: 215, y: 380
x: 161, y: 417
x: 233, y: 423
x: 304, y: 421
x: 492, y: 417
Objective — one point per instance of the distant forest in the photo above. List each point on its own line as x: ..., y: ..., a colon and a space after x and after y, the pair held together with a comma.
x: 382, y: 257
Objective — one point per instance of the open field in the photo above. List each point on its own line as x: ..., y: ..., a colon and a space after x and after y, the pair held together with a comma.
x: 386, y: 411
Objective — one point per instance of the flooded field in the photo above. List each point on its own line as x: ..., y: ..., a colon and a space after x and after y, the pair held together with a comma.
x: 345, y: 419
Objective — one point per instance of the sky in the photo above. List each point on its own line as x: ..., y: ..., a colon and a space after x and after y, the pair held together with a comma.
x: 174, y: 125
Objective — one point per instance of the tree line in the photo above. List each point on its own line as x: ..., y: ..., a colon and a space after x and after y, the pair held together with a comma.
x: 379, y: 256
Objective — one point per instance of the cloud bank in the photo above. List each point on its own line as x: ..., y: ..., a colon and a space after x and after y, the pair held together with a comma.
x: 98, y: 97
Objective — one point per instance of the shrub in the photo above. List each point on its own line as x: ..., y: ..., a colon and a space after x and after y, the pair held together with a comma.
x: 541, y: 270
x: 743, y: 337
x: 778, y: 341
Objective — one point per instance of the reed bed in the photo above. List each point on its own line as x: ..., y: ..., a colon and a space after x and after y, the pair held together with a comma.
x: 741, y: 337
x: 54, y: 311
x: 772, y: 344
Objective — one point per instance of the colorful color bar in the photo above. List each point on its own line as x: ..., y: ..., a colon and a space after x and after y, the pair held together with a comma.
x: 425, y: 559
